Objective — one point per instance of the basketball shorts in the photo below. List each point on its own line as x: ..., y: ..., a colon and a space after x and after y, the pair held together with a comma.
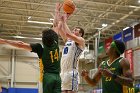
x: 70, y: 80
x: 51, y: 83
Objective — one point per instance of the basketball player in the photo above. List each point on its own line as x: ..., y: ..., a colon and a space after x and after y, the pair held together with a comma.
x: 114, y: 73
x: 49, y: 59
x: 74, y: 46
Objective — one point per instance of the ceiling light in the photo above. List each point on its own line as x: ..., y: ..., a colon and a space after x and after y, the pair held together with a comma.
x: 99, y: 28
x: 49, y: 23
x: 51, y: 19
x: 19, y: 37
x: 138, y: 1
x: 104, y: 25
x: 117, y: 21
x: 38, y: 38
x: 133, y: 6
x: 29, y: 17
x: 113, y: 23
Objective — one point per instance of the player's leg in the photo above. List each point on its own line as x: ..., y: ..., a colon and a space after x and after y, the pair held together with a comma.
x: 57, y: 84
x: 48, y: 83
x: 70, y: 82
x: 66, y: 82
x: 75, y: 80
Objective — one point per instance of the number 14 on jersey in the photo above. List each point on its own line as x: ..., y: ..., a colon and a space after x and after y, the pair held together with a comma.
x: 54, y: 55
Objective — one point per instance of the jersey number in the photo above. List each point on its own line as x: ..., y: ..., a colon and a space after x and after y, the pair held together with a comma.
x: 108, y: 79
x: 131, y: 90
x: 65, y: 50
x: 54, y: 56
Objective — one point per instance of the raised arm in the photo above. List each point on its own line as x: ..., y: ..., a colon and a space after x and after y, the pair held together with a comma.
x: 78, y: 39
x: 18, y: 44
x: 61, y: 27
x: 57, y: 14
x: 57, y: 23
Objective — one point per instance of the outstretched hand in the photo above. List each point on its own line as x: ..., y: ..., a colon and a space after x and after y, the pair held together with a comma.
x: 2, y: 41
x: 84, y: 73
x: 58, y: 7
x: 57, y: 14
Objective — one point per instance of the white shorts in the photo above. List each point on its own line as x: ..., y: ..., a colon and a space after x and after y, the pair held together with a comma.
x: 70, y: 80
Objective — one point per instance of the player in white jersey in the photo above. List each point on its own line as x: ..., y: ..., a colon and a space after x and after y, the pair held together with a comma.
x: 69, y: 66
x: 69, y: 61
x: 74, y: 45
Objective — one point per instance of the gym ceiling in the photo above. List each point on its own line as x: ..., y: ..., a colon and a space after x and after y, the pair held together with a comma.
x: 25, y: 19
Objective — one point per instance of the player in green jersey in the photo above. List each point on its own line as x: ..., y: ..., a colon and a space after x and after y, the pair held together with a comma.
x: 133, y: 89
x: 48, y: 54
x: 114, y: 72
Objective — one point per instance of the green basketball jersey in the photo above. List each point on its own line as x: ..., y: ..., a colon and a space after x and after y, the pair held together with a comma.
x: 109, y: 84
x: 50, y: 57
x: 51, y: 60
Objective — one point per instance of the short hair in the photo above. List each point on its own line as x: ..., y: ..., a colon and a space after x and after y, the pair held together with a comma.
x: 81, y: 31
x: 49, y: 37
x: 120, y: 45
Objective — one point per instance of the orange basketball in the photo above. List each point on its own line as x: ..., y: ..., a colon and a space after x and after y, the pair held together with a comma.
x: 68, y: 6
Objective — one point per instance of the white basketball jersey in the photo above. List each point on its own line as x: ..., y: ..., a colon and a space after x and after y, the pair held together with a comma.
x: 70, y: 56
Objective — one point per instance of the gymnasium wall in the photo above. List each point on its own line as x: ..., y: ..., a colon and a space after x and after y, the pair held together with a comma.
x: 25, y: 68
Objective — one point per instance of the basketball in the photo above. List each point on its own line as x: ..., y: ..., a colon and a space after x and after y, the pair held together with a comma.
x: 68, y: 6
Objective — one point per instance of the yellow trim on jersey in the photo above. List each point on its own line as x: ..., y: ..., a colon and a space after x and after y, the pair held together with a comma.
x: 41, y: 69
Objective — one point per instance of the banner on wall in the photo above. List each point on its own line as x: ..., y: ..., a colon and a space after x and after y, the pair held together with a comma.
x: 129, y: 56
x: 136, y: 60
x: 107, y: 43
x: 137, y: 30
x: 128, y: 34
x: 101, y: 48
x: 118, y: 36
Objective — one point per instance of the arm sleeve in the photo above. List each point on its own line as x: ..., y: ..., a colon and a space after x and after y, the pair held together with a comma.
x: 37, y: 48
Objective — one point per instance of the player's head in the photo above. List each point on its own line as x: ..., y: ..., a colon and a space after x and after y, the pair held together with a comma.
x: 116, y: 47
x: 49, y: 37
x: 78, y: 31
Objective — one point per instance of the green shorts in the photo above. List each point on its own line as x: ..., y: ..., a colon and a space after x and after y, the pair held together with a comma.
x: 51, y: 83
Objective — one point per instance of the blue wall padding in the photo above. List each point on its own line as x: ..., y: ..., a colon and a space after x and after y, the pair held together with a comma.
x: 4, y: 90
x: 22, y: 90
